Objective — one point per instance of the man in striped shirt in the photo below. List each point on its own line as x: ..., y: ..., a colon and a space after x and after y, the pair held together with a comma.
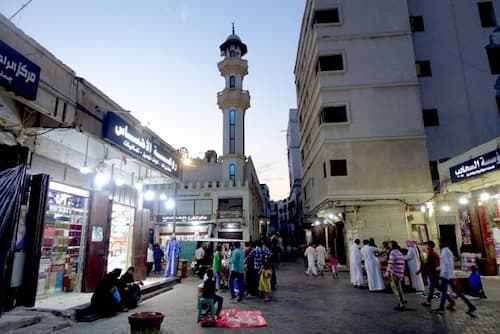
x: 395, y: 270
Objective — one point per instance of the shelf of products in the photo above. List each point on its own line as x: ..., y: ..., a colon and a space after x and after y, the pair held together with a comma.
x: 65, y: 219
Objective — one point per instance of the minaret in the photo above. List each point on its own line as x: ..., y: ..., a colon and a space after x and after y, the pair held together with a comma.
x: 233, y: 101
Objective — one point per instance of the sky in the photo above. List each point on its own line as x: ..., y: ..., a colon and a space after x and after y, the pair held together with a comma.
x: 159, y: 59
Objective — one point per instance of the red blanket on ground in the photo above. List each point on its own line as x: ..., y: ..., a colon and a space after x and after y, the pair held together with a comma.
x: 235, y: 318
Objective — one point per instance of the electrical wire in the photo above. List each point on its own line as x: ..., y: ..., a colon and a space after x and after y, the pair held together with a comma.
x: 19, y: 10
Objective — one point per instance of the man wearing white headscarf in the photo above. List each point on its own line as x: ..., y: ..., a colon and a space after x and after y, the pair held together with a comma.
x: 355, y: 265
x: 373, y: 273
x: 413, y: 259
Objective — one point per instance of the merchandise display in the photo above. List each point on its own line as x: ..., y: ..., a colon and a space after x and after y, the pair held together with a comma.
x: 65, y: 221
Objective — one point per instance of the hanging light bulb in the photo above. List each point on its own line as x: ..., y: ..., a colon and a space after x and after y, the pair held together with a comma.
x: 101, y: 179
x: 463, y: 201
x: 446, y: 208
x: 422, y: 209
x: 484, y: 196
x: 170, y: 204
x: 163, y: 196
x: 149, y: 195
x: 119, y: 181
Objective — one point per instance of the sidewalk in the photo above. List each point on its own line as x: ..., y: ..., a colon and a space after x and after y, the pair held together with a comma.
x: 58, y: 311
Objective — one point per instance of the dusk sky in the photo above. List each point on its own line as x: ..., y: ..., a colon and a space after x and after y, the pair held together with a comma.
x: 159, y: 60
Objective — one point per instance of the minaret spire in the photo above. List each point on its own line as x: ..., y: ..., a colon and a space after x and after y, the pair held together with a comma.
x: 233, y: 27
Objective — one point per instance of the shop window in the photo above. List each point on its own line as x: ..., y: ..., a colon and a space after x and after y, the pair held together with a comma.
x: 487, y: 14
x: 423, y: 68
x: 203, y: 207
x: 338, y: 167
x: 494, y: 59
x: 326, y: 16
x: 417, y: 23
x: 430, y: 117
x: 334, y: 114
x: 330, y: 63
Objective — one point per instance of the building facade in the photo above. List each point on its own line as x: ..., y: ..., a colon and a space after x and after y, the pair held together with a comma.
x: 362, y: 139
x: 218, y: 197
x: 82, y: 157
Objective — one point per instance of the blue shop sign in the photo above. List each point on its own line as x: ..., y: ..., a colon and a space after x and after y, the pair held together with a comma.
x: 476, y: 166
x: 119, y: 132
x: 17, y: 73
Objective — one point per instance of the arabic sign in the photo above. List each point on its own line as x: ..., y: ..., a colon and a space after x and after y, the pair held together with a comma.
x: 476, y: 166
x: 146, y: 149
x: 18, y: 73
x: 167, y: 219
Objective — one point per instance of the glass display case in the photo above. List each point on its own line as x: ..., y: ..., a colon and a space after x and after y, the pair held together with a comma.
x: 63, y: 234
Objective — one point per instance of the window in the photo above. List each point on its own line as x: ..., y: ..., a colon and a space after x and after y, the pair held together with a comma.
x: 232, y: 173
x: 324, y: 170
x: 423, y: 68
x: 433, y: 166
x: 430, y: 117
x: 231, y: 204
x: 330, y: 63
x: 494, y: 59
x: 232, y: 81
x: 338, y: 167
x: 487, y: 14
x: 326, y: 16
x: 417, y: 23
x: 335, y: 114
x: 232, y: 132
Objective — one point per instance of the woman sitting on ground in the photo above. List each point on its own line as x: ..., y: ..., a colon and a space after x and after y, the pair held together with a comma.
x: 106, y: 300
x: 130, y: 290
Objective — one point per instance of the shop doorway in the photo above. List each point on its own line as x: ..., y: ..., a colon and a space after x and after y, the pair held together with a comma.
x: 448, y: 233
x: 120, y: 238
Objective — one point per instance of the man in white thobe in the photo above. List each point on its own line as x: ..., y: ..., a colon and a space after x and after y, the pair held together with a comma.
x: 321, y: 256
x: 355, y: 265
x: 310, y: 254
x: 373, y: 273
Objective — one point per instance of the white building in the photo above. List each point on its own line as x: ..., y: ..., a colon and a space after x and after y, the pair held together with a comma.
x: 294, y: 174
x: 362, y: 139
x: 218, y: 196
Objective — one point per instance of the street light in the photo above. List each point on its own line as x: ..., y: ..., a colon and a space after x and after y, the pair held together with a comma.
x: 184, y: 161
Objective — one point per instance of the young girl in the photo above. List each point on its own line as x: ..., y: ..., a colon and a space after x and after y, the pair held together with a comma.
x: 265, y: 274
x: 333, y: 264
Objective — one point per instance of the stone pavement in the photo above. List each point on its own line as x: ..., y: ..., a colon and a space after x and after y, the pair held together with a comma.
x: 309, y: 305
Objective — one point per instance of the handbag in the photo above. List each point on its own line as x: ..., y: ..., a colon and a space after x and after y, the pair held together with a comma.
x: 116, y: 296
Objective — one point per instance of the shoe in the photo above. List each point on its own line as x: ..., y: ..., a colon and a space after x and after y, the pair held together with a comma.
x: 437, y: 311
x: 471, y: 309
x: 399, y: 308
x: 240, y: 300
x: 426, y: 303
x: 451, y: 305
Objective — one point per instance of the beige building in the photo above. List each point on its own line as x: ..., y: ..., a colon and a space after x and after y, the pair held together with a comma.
x: 362, y: 139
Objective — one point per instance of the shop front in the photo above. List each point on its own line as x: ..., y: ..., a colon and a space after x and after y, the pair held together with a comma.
x: 472, y: 188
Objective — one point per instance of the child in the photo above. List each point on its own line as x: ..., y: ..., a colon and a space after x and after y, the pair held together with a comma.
x: 209, y: 291
x: 333, y: 264
x: 475, y: 286
x: 265, y: 275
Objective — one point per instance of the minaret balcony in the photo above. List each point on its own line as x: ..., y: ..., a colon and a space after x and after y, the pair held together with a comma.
x: 236, y: 98
x: 233, y: 65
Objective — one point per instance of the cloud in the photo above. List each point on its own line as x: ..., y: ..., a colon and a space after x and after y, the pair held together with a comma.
x: 265, y: 167
x: 184, y: 13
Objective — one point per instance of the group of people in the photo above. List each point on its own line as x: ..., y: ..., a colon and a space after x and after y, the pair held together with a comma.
x: 315, y: 257
x: 386, y: 267
x: 251, y: 273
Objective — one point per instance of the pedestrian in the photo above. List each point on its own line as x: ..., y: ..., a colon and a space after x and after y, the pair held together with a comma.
x: 447, y: 277
x: 355, y: 265
x: 173, y: 250
x: 106, y: 299
x: 265, y: 274
x: 209, y: 291
x: 157, y: 257
x: 321, y: 256
x: 258, y: 255
x: 217, y: 266
x: 413, y: 258
x: 237, y: 262
x: 333, y: 265
x: 149, y: 259
x: 130, y: 290
x: 310, y: 254
x: 430, y: 269
x: 199, y: 255
x: 395, y: 270
x: 373, y: 273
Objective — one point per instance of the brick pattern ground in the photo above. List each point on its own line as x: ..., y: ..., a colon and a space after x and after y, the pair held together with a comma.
x: 310, y: 305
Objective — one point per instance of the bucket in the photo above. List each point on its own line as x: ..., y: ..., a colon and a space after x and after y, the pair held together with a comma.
x: 145, y: 322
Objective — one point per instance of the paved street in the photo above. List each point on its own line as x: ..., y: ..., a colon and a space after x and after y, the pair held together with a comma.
x: 311, y: 305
